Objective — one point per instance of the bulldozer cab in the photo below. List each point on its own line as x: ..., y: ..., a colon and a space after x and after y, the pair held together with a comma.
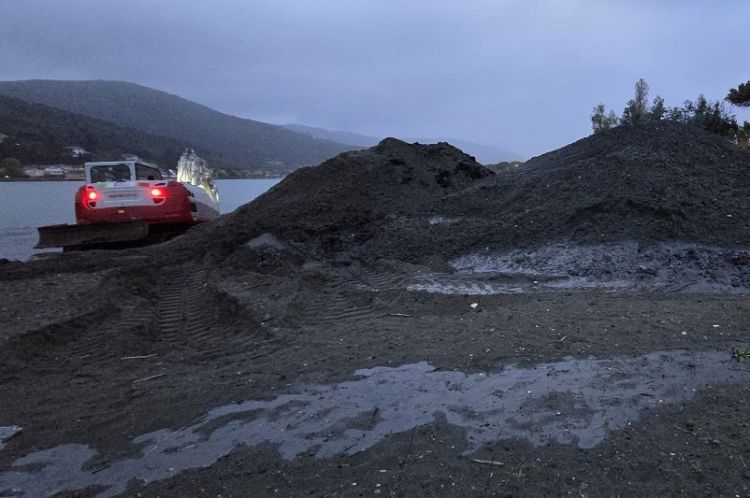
x: 121, y: 171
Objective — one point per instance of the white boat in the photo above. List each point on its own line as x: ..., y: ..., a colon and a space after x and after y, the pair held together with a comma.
x: 194, y: 173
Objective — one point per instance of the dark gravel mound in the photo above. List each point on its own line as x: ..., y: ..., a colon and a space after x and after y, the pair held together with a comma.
x: 661, y: 181
x: 651, y: 183
x: 348, y: 200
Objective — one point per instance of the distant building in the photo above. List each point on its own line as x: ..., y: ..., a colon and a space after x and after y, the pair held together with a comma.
x: 55, y: 171
x: 33, y: 172
x: 74, y: 173
x: 77, y: 151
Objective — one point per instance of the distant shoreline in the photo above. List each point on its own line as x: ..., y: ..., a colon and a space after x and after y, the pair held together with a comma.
x: 36, y: 180
x: 15, y: 180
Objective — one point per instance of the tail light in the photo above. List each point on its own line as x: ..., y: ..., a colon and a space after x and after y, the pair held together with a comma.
x: 90, y: 196
x: 158, y: 195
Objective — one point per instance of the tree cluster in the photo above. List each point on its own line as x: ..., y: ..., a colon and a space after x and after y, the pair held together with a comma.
x: 11, y: 167
x: 740, y: 96
x: 35, y: 134
x: 712, y: 116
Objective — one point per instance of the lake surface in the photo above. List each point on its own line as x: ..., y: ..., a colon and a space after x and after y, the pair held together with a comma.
x: 24, y: 206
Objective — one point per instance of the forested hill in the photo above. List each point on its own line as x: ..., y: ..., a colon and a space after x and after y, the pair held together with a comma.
x: 39, y: 134
x: 241, y: 143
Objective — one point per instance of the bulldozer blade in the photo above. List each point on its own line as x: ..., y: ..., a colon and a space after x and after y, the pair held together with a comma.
x: 95, y: 234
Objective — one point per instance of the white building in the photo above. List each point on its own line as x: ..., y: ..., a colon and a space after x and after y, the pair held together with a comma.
x: 54, y: 171
x: 34, y: 172
x: 77, y: 151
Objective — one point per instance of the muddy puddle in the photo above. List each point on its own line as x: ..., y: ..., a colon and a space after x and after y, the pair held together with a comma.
x: 676, y: 267
x: 571, y: 402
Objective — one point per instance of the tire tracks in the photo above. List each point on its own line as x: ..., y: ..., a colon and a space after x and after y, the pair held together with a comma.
x: 189, y: 313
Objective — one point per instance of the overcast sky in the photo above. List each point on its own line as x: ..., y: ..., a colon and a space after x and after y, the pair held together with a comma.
x: 519, y: 74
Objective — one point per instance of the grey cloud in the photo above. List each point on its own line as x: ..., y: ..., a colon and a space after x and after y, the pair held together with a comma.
x: 522, y: 75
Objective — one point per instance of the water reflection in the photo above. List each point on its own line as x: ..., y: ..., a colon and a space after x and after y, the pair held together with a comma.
x: 573, y: 401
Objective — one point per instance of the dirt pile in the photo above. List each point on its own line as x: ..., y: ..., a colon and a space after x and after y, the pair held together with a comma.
x: 655, y: 182
x: 348, y: 200
x: 652, y: 183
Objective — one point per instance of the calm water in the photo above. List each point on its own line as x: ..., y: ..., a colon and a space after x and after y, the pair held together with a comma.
x: 27, y: 205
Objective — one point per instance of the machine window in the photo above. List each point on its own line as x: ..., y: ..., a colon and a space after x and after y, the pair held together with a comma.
x: 147, y: 173
x: 110, y: 173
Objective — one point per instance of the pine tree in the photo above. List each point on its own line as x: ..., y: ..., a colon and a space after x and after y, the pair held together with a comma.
x: 657, y: 109
x: 740, y: 96
x: 637, y: 109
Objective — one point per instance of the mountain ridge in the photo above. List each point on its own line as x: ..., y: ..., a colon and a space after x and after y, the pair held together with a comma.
x: 243, y: 143
x: 485, y: 154
x: 39, y: 134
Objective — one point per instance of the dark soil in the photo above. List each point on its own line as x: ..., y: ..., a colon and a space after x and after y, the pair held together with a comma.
x: 657, y: 182
x: 310, y: 283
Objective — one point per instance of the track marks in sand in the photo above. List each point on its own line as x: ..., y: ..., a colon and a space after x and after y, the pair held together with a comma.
x: 341, y: 302
x: 353, y: 295
x: 98, y: 340
x: 194, y: 314
x: 339, y: 307
x: 382, y: 279
x: 333, y: 307
x: 180, y: 302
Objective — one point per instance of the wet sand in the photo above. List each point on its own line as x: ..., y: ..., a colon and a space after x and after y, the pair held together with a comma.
x: 342, y: 336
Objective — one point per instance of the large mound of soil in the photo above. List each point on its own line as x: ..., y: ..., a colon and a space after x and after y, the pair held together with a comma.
x: 651, y: 183
x: 349, y: 200
x: 659, y: 181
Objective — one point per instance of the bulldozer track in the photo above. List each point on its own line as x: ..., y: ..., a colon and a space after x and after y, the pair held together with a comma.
x: 375, y: 281
x: 186, y: 316
x: 100, y: 338
x: 182, y: 314
x: 340, y: 304
x: 357, y: 295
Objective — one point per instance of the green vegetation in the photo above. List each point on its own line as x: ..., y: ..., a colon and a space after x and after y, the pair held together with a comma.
x: 711, y: 116
x: 740, y: 96
x: 11, y: 167
x: 602, y: 120
x: 637, y: 110
x: 740, y: 354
